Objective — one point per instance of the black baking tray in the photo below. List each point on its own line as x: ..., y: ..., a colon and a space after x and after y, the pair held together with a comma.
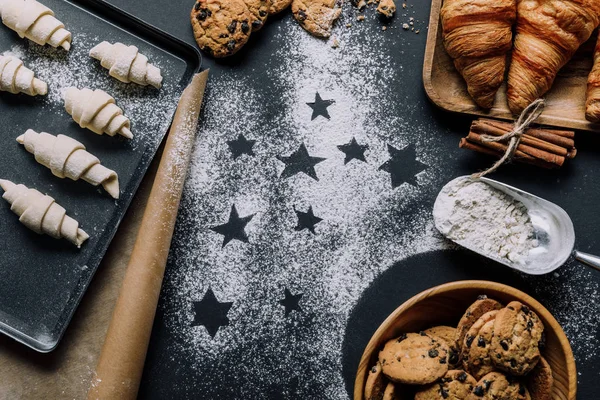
x: 42, y: 280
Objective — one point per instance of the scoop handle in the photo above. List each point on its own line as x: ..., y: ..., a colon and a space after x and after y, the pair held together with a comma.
x: 588, y: 259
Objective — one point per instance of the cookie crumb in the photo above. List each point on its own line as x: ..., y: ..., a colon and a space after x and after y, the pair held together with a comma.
x: 384, y: 28
x: 348, y: 25
x: 403, y: 5
x: 360, y: 18
x: 417, y: 31
x: 405, y: 26
x: 335, y: 43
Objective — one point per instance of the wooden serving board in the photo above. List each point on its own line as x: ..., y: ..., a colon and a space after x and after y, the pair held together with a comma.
x: 446, y: 88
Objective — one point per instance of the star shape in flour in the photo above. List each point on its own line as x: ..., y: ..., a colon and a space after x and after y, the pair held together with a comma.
x: 307, y: 220
x: 319, y: 107
x: 211, y: 313
x: 234, y: 228
x: 403, y: 166
x: 291, y: 302
x: 241, y: 146
x: 353, y: 151
x: 300, y: 161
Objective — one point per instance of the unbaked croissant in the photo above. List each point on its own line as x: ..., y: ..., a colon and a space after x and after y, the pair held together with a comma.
x: 67, y: 158
x: 16, y: 78
x: 41, y: 214
x: 477, y: 35
x: 96, y: 110
x: 126, y: 64
x: 35, y: 22
x: 549, y: 32
x: 592, y: 105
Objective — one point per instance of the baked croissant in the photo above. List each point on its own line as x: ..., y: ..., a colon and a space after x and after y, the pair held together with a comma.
x: 477, y: 35
x: 126, y: 64
x: 67, y: 158
x: 41, y: 214
x: 16, y: 78
x: 35, y: 22
x: 592, y: 105
x: 549, y: 32
x: 96, y: 110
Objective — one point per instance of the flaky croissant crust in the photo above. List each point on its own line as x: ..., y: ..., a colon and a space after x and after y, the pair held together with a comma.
x: 592, y: 105
x: 549, y: 32
x: 477, y: 34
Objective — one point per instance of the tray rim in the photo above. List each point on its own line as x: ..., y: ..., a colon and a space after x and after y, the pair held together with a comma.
x: 141, y: 29
x: 432, y: 94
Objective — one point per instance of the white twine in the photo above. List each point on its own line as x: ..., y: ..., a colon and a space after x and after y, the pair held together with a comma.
x: 527, y: 117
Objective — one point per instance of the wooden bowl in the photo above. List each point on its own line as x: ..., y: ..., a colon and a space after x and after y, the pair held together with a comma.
x: 445, y: 304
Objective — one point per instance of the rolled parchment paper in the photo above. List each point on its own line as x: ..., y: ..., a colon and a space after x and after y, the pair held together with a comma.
x: 122, y: 358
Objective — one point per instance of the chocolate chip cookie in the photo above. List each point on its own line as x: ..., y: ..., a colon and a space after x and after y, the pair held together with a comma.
x: 386, y: 8
x: 540, y: 381
x: 414, y: 358
x: 473, y: 313
x: 390, y: 392
x: 448, y: 334
x: 317, y: 16
x: 376, y: 383
x: 476, y: 356
x: 221, y: 27
x: 260, y: 11
x: 455, y: 385
x: 278, y: 6
x: 517, y: 334
x: 497, y: 386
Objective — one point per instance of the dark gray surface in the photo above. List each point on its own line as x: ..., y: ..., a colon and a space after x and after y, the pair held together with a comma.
x: 42, y: 279
x: 169, y: 374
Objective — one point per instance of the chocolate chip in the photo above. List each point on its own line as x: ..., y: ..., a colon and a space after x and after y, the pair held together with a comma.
x: 444, y: 393
x: 231, y: 27
x: 262, y: 13
x: 481, y: 297
x: 443, y: 360
x: 433, y: 353
x: 202, y: 14
x: 529, y: 324
x: 246, y: 27
x: 453, y: 359
x: 208, y: 12
x: 256, y: 24
x: 223, y: 35
x: 525, y: 309
x: 513, y: 363
x: 504, y: 345
x: 481, y: 342
x: 478, y: 391
x: 231, y: 45
x: 487, y: 384
x: 469, y: 341
x: 521, y: 389
x: 197, y: 6
x: 402, y: 337
x: 301, y: 15
x: 462, y: 377
x: 422, y: 333
x: 374, y: 369
x: 445, y: 380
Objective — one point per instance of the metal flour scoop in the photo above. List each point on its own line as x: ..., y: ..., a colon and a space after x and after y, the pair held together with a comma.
x: 553, y: 229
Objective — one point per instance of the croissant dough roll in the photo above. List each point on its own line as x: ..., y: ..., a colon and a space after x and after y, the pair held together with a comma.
x: 35, y: 22
x: 96, y: 110
x: 549, y: 32
x: 477, y: 35
x: 67, y: 158
x: 592, y: 105
x: 16, y: 78
x: 126, y: 64
x: 41, y: 214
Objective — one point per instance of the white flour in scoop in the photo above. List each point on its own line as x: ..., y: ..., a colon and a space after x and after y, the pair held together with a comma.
x: 479, y: 216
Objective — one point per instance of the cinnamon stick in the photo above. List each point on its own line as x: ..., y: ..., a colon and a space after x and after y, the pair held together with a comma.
x: 557, y: 137
x: 523, y: 151
x: 465, y: 144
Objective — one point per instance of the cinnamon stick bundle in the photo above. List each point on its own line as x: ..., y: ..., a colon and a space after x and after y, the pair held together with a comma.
x: 546, y: 148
